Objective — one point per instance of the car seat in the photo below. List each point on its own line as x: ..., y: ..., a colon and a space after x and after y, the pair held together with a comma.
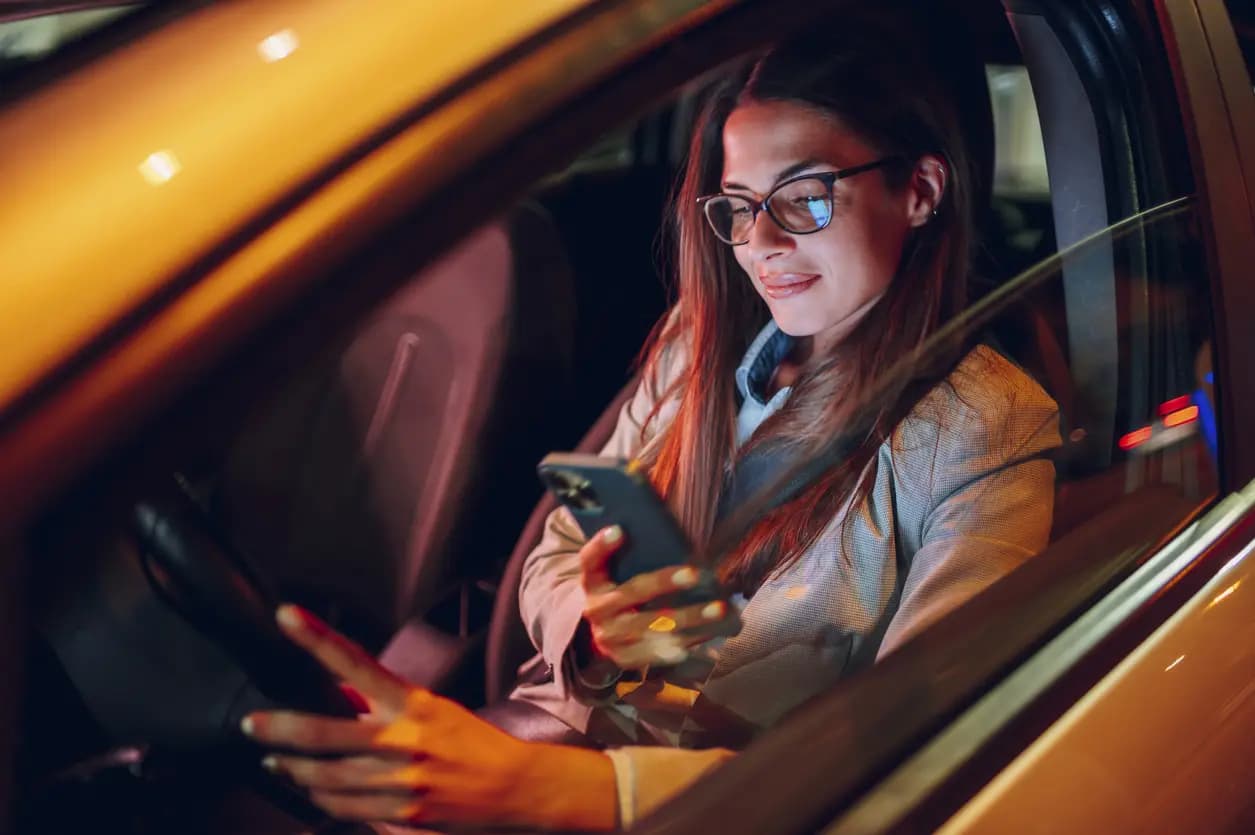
x: 389, y: 472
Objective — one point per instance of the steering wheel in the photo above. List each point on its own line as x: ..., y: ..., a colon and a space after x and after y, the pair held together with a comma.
x: 152, y: 639
x: 201, y: 577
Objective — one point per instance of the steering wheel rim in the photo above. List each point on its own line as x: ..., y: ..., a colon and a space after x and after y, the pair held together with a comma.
x: 204, y: 579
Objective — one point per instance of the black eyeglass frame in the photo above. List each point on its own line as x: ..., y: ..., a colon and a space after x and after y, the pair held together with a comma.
x: 828, y: 178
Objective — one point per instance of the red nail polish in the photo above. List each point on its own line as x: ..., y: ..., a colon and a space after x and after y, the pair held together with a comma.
x: 355, y: 698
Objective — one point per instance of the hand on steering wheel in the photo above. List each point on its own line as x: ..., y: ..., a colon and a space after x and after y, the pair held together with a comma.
x: 415, y: 758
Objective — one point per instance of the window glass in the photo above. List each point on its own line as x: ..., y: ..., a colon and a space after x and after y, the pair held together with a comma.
x: 1021, y: 227
x: 30, y: 40
x: 1019, y: 155
x: 1164, y: 430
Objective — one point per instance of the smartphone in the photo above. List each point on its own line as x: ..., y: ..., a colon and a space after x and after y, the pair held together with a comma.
x: 601, y: 492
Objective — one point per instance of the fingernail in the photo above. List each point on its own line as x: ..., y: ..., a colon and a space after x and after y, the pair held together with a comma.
x: 246, y: 725
x: 662, y: 623
x: 270, y: 763
x: 672, y: 655
x: 359, y: 702
x: 288, y: 616
x: 612, y: 534
x: 713, y: 611
x: 685, y: 577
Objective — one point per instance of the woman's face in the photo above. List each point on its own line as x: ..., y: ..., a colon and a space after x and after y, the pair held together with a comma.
x: 820, y: 284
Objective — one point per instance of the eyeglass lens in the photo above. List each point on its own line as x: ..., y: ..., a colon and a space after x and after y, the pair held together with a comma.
x: 801, y: 206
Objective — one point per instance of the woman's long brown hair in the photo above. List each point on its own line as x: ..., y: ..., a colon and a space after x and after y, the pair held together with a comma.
x: 877, y: 82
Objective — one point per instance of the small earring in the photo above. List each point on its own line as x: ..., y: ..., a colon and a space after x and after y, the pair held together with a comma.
x: 934, y: 211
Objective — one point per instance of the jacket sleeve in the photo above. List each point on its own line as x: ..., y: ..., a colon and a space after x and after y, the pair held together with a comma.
x: 647, y: 776
x: 551, y: 600
x: 990, y: 492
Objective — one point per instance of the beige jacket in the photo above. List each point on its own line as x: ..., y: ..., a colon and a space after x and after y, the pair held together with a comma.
x: 963, y: 492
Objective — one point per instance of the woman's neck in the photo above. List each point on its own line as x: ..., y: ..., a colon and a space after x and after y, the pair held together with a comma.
x: 803, y: 349
x: 790, y: 368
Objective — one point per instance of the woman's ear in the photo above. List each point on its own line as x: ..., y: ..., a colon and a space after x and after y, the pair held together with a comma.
x: 926, y: 188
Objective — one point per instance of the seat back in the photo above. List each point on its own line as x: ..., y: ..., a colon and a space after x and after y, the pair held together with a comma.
x: 508, y: 643
x: 362, y: 487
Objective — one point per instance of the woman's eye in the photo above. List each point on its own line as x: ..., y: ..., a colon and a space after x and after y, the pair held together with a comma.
x: 741, y: 212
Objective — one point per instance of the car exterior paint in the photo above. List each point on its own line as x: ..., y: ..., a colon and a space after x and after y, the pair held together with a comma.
x: 164, y: 133
x: 1142, y: 750
x: 247, y: 222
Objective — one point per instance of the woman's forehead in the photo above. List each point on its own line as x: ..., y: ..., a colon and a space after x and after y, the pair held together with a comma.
x: 764, y: 140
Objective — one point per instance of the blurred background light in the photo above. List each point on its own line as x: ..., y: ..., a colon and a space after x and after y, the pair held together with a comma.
x: 160, y: 167
x: 278, y: 46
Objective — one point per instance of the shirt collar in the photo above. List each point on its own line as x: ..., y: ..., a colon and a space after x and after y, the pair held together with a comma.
x: 762, y: 357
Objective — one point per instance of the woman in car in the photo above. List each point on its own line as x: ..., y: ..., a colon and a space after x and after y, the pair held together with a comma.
x: 825, y: 223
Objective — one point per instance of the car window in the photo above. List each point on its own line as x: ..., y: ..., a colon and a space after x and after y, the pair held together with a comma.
x: 28, y: 41
x: 1153, y: 268
x: 1019, y: 156
x: 1117, y: 329
x: 1021, y: 231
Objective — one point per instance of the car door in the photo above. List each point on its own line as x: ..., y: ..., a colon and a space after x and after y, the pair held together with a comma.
x: 1157, y: 745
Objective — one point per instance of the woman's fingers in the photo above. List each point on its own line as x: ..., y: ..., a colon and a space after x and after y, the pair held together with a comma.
x: 358, y: 774
x: 342, y: 657
x: 307, y: 732
x: 621, y: 632
x: 648, y: 651
x: 685, y: 624
x: 641, y: 589
x: 658, y: 637
x: 595, y: 559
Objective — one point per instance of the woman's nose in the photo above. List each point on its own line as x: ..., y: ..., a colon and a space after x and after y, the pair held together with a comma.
x: 767, y: 238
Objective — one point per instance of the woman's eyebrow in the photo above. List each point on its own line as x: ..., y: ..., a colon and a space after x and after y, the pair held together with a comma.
x: 795, y: 168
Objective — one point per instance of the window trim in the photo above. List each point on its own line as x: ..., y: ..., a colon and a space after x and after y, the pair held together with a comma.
x: 1205, y: 64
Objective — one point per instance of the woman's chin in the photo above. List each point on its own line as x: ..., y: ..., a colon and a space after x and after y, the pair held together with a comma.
x: 793, y: 321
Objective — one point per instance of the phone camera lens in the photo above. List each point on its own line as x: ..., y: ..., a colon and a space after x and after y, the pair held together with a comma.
x: 573, y: 490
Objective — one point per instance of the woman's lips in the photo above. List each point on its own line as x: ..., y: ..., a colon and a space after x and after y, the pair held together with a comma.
x: 783, y: 285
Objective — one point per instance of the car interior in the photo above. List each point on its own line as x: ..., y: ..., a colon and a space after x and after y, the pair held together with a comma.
x: 388, y: 483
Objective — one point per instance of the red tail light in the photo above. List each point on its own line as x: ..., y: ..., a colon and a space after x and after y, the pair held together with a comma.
x: 1176, y: 404
x: 1181, y: 416
x: 1135, y: 438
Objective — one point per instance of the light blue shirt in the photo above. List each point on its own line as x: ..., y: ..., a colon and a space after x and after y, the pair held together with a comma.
x: 754, y: 374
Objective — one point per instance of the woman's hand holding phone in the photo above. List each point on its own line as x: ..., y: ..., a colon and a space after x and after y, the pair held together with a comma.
x: 625, y: 630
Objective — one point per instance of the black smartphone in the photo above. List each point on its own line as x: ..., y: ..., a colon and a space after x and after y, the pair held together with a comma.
x: 601, y: 492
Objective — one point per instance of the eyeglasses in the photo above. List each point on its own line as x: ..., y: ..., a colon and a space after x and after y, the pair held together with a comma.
x: 800, y: 205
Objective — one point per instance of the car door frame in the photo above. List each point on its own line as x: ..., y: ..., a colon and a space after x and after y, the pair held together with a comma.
x: 1212, y: 81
